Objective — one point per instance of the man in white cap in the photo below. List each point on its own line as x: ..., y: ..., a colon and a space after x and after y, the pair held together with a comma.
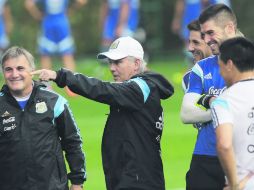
x: 131, y: 150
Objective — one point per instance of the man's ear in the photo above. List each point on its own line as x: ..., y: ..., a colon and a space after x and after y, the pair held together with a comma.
x: 230, y: 28
x: 230, y: 65
x: 137, y: 64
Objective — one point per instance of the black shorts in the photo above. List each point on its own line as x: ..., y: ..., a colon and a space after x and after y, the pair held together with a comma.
x: 205, y: 173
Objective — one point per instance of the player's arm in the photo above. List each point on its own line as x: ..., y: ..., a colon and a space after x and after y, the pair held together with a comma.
x: 223, y: 124
x: 103, y: 13
x: 31, y: 7
x: 177, y: 19
x: 8, y: 18
x: 225, y: 151
x: 190, y: 112
x: 123, y: 17
x: 132, y: 94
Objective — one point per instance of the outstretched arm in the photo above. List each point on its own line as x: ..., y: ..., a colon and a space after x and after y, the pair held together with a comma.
x: 132, y: 94
x: 176, y: 22
x: 33, y: 10
x: 8, y: 18
x: 123, y: 18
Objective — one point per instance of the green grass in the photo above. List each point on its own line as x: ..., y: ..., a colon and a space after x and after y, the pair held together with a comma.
x: 177, y: 140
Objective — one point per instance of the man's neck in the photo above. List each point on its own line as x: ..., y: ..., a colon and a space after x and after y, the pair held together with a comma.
x: 244, y: 76
x: 23, y: 93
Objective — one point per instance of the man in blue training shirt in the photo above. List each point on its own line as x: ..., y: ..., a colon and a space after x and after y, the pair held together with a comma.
x: 198, y: 48
x: 218, y: 23
x: 55, y: 38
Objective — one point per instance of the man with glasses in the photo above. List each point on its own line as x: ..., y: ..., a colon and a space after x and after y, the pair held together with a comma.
x: 131, y: 150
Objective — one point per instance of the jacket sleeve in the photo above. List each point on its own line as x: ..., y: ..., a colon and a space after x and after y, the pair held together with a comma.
x: 131, y: 94
x: 71, y: 141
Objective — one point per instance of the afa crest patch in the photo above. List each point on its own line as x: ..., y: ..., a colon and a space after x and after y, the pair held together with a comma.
x: 41, y: 107
x: 114, y: 45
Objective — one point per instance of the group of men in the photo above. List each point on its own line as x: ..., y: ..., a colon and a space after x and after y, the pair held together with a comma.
x: 225, y: 150
x: 37, y: 125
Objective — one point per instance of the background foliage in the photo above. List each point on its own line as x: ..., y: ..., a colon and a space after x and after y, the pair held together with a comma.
x: 156, y: 16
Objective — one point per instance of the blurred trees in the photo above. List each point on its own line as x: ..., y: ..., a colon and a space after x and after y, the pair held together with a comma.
x: 156, y: 18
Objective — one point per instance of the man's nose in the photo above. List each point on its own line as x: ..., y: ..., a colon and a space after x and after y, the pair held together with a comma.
x: 190, y: 47
x: 112, y: 66
x: 15, y: 73
x: 207, y: 38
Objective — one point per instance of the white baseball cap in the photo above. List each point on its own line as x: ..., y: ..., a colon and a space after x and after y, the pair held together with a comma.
x: 123, y: 47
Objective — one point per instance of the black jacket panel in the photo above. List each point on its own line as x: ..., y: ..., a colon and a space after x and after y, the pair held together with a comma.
x: 131, y: 150
x: 32, y: 143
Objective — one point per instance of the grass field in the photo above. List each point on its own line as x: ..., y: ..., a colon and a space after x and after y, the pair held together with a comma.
x: 177, y: 140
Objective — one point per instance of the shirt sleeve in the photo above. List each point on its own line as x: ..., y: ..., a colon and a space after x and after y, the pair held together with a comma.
x: 195, y: 80
x: 185, y: 81
x: 220, y: 112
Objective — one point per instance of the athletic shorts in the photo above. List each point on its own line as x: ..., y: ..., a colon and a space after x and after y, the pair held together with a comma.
x: 56, y: 36
x: 205, y: 173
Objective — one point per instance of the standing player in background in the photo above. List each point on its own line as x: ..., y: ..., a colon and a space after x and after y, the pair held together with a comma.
x: 198, y: 48
x: 5, y: 25
x: 118, y: 18
x: 55, y: 38
x: 218, y: 23
x: 233, y: 114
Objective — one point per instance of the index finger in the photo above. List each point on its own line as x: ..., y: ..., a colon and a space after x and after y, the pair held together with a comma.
x: 37, y: 72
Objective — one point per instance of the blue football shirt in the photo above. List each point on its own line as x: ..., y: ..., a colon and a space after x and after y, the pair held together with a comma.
x: 205, y: 79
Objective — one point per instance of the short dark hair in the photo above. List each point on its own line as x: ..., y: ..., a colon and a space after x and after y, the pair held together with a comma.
x: 194, y: 26
x: 218, y: 12
x: 241, y: 51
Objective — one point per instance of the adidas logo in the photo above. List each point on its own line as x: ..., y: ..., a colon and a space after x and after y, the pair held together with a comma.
x: 208, y: 76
